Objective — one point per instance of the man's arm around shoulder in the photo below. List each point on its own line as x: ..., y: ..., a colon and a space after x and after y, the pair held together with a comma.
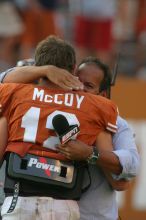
x: 109, y: 162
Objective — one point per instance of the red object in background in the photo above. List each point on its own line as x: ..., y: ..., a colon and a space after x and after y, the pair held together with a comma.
x: 93, y: 34
x: 141, y: 18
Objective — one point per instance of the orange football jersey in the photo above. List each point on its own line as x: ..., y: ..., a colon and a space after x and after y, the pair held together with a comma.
x: 29, y: 110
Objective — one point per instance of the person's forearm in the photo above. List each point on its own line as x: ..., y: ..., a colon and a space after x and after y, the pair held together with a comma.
x: 118, y: 185
x: 109, y: 161
x: 126, y: 150
x: 130, y: 161
x: 58, y: 76
x: 77, y: 150
x: 25, y: 74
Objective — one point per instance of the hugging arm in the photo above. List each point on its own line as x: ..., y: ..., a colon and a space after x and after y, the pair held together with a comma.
x: 126, y: 150
x: 29, y: 74
x: 109, y: 162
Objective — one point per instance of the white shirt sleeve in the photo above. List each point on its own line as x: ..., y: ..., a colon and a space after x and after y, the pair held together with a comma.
x: 3, y: 74
x: 126, y: 150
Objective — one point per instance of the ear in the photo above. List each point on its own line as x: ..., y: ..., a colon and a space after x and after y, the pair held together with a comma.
x: 75, y: 70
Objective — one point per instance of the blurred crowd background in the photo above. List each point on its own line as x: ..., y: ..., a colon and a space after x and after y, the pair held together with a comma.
x: 102, y: 28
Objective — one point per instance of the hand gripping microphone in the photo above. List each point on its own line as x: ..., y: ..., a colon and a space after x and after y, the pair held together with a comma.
x: 65, y: 131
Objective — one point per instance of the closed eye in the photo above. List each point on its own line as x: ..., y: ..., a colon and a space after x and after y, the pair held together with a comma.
x: 89, y: 85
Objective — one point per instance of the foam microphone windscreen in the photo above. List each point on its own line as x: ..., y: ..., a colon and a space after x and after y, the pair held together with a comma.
x: 60, y: 124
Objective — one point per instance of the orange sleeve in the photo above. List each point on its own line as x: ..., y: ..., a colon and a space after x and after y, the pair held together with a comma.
x: 6, y: 92
x: 108, y: 116
x: 112, y: 118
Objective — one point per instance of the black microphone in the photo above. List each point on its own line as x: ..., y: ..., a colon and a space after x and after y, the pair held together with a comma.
x: 63, y: 129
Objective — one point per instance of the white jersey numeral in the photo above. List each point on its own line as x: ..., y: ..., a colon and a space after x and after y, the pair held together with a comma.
x: 30, y: 122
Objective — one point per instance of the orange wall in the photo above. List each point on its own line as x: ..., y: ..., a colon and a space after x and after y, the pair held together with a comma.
x: 130, y: 96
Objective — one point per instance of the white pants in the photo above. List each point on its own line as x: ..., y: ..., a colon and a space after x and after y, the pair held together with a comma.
x: 40, y: 208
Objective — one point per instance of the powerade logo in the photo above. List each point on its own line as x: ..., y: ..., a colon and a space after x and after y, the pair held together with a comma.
x: 43, y: 165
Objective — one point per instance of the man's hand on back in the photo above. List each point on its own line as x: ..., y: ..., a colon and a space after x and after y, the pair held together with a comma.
x: 63, y: 78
